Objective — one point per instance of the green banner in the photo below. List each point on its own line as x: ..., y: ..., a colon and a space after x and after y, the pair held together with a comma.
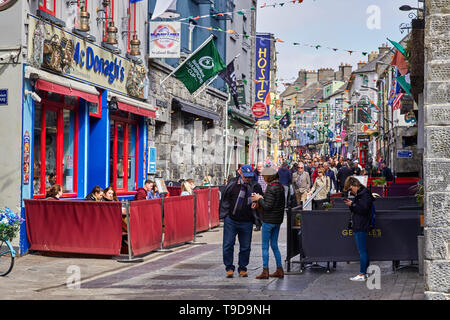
x: 201, y: 66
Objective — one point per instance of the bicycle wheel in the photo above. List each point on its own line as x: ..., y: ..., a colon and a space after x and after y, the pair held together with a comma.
x: 6, y: 259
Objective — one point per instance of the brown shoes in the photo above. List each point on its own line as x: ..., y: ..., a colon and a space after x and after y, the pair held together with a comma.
x: 264, y: 274
x: 243, y: 274
x: 230, y: 274
x: 277, y: 274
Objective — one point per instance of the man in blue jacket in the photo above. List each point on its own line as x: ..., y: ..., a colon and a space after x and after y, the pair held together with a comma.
x: 330, y: 173
x: 285, y: 179
x: 237, y: 210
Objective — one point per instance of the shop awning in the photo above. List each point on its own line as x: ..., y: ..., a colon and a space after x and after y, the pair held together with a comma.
x: 133, y: 106
x: 194, y: 109
x: 49, y: 82
x: 242, y: 118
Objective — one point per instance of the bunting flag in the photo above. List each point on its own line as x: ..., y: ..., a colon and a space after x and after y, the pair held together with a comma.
x: 286, y: 120
x: 395, y: 88
x: 397, y: 104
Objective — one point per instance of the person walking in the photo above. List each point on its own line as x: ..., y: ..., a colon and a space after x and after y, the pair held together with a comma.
x: 386, y: 172
x: 322, y: 196
x: 344, y: 172
x: 285, y: 179
x: 272, y: 204
x: 236, y: 210
x: 361, y: 213
x: 330, y: 174
x: 258, y: 176
x: 302, y: 183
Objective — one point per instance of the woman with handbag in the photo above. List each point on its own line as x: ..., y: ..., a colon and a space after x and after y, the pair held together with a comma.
x: 323, y: 195
x: 272, y: 205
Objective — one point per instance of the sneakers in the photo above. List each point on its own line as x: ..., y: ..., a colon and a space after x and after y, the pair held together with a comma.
x: 230, y: 274
x: 359, y: 277
x: 243, y: 274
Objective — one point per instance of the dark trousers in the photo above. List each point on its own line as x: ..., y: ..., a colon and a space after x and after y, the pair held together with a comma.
x: 243, y: 230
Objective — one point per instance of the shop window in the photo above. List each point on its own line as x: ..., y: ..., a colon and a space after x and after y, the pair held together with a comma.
x: 55, y: 145
x: 124, y: 142
x: 94, y: 109
x: 48, y: 6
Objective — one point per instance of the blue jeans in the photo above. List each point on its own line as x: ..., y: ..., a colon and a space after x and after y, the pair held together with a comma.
x: 243, y: 230
x: 269, y: 233
x: 361, y: 245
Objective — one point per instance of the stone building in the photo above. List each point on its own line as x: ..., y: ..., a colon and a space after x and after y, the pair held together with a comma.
x: 437, y: 149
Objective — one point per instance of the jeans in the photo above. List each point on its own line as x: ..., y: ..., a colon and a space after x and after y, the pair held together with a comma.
x: 361, y: 240
x: 243, y: 230
x: 269, y: 233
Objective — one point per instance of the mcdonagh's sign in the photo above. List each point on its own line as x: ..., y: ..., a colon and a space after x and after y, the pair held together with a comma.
x: 53, y: 48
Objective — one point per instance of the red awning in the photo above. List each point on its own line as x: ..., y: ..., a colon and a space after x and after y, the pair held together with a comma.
x: 135, y: 109
x: 57, y: 88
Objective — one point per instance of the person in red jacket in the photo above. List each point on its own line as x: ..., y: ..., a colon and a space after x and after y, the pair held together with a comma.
x: 142, y: 192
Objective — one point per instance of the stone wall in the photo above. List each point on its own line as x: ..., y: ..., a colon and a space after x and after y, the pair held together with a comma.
x: 437, y: 150
x: 169, y: 140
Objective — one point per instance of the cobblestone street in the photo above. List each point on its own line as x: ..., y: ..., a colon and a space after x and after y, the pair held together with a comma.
x: 196, y: 272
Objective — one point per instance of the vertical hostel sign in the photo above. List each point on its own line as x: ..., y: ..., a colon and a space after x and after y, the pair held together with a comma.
x: 262, y: 86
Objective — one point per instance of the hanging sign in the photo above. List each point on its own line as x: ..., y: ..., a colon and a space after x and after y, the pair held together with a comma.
x: 165, y: 39
x: 262, y: 76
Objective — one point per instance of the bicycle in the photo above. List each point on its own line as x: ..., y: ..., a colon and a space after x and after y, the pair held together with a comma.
x: 7, y: 255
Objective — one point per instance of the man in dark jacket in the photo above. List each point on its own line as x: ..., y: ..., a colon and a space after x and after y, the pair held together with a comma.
x: 285, y: 179
x: 386, y: 172
x: 236, y: 210
x: 343, y: 173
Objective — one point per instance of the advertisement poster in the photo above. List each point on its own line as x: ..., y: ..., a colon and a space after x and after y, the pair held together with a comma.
x: 165, y: 39
x: 26, y: 158
x: 262, y: 77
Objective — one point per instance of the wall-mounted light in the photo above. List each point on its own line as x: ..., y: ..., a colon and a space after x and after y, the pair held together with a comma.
x: 111, y: 33
x: 134, y: 44
x: 84, y: 19
x: 112, y: 104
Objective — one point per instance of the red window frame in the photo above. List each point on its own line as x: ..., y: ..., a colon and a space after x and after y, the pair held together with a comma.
x: 44, y: 7
x: 59, y: 108
x: 107, y: 19
x: 98, y: 114
x: 125, y: 122
x: 130, y: 31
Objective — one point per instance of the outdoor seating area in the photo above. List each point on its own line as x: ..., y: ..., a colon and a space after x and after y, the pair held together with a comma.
x: 88, y: 227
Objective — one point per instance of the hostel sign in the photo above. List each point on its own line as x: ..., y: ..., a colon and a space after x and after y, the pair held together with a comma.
x: 53, y: 48
x: 262, y: 86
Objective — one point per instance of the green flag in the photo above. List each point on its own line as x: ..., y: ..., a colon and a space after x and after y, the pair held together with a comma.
x: 405, y: 83
x: 200, y: 66
x: 399, y: 47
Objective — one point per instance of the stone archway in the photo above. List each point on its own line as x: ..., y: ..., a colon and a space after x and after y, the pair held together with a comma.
x: 437, y: 150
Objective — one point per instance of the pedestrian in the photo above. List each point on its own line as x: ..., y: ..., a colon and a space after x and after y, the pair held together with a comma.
x: 258, y: 176
x: 285, y: 179
x: 236, y: 210
x: 54, y: 193
x: 186, y: 189
x: 323, y: 195
x: 356, y: 168
x: 360, y: 221
x: 95, y: 195
x: 369, y: 166
x: 330, y: 174
x: 109, y: 194
x: 314, y: 173
x: 386, y: 172
x: 344, y: 172
x: 143, y: 193
x: 272, y: 204
x: 302, y: 184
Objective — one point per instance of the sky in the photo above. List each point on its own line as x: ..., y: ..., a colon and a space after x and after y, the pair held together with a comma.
x: 360, y: 25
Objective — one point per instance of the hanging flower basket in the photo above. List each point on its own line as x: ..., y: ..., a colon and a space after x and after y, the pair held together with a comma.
x: 9, y: 224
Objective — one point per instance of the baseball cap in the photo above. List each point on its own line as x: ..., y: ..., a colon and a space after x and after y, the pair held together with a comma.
x: 247, y: 171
